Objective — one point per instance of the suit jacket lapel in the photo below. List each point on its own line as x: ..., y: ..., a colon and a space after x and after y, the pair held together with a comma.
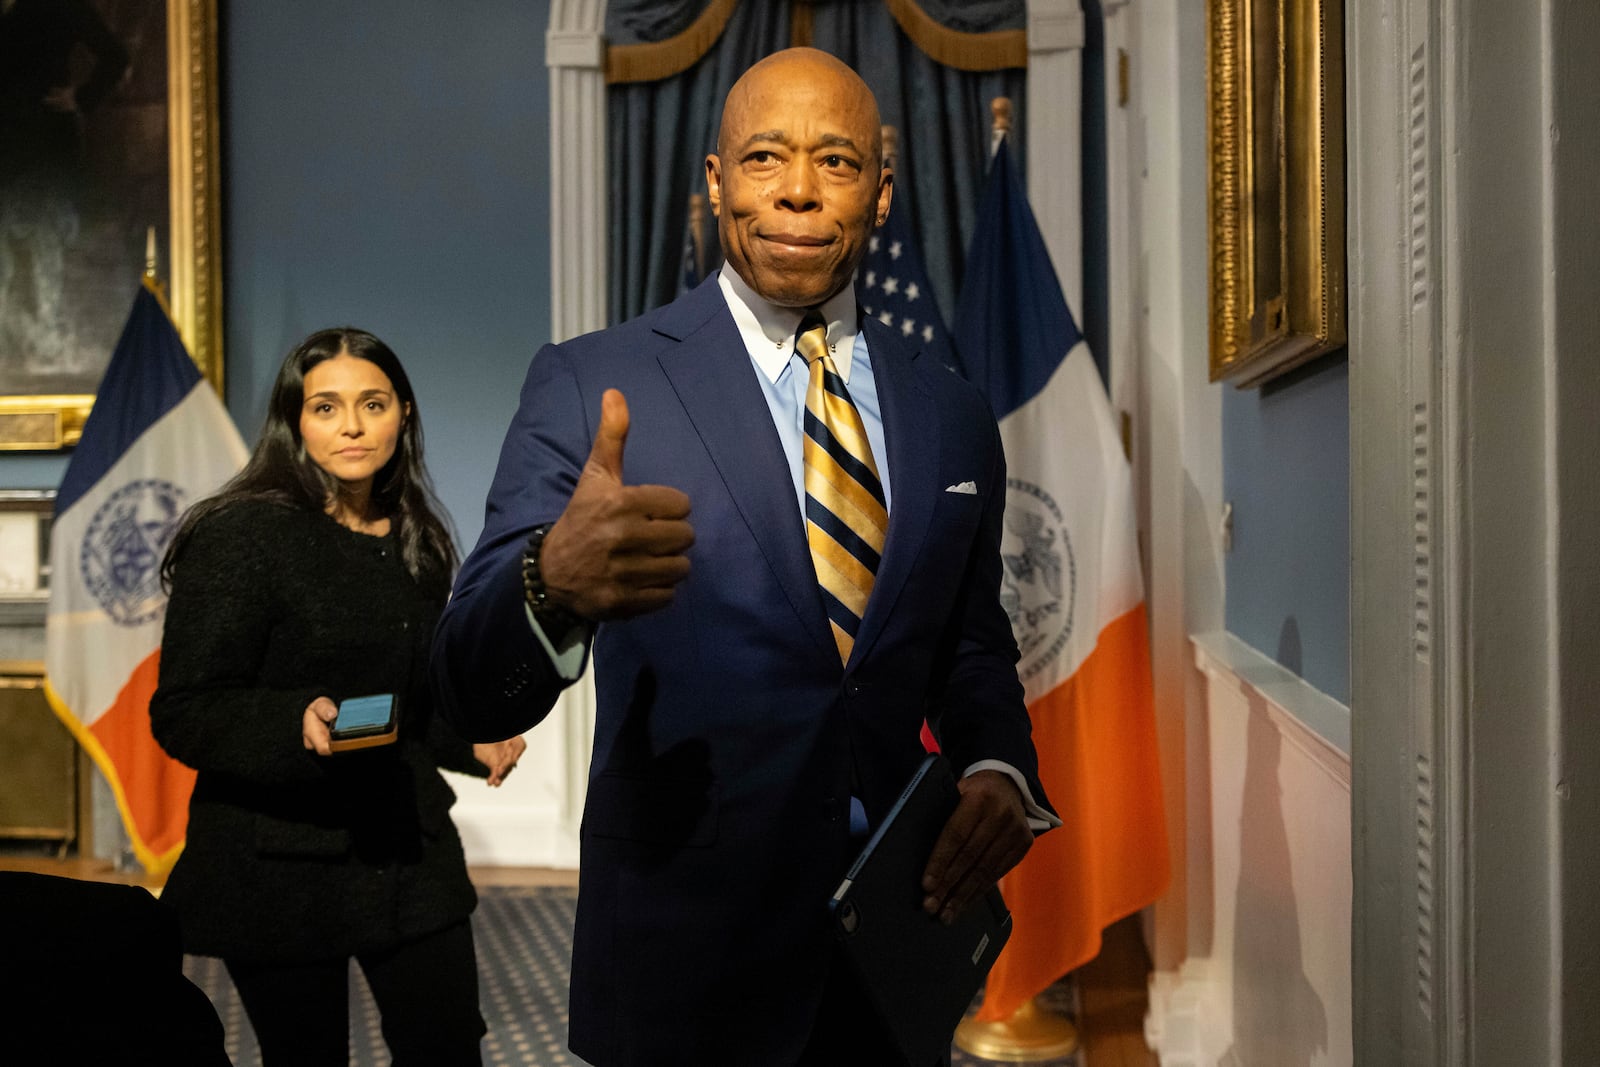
x: 710, y: 371
x: 911, y: 437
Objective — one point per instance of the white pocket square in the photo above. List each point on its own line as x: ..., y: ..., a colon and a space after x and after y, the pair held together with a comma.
x: 969, y: 488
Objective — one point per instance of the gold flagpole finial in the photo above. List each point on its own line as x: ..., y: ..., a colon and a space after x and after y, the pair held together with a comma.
x: 150, y: 280
x: 1000, y: 108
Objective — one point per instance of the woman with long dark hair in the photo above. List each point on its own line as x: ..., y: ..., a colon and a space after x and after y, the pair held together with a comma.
x: 316, y: 576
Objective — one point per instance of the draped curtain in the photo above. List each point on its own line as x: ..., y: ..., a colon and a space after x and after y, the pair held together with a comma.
x: 670, y: 64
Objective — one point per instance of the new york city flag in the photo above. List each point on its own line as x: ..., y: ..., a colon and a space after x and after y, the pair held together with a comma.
x: 1073, y: 589
x: 157, y: 440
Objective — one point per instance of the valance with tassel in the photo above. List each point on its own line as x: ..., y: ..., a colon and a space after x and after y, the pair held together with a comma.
x: 652, y: 41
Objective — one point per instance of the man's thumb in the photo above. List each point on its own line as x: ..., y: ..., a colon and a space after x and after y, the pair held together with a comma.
x: 612, y: 434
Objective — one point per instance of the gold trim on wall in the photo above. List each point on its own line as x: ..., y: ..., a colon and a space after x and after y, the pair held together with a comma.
x: 193, y: 145
x: 49, y: 422
x: 42, y: 423
x: 1275, y: 125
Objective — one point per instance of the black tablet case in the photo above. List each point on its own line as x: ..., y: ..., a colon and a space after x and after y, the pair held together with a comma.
x: 920, y: 974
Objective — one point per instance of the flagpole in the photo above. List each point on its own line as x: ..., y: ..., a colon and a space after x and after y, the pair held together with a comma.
x: 150, y: 279
x: 1033, y: 1033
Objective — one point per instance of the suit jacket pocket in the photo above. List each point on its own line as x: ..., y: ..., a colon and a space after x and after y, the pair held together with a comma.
x: 291, y: 838
x: 960, y: 509
x: 652, y: 810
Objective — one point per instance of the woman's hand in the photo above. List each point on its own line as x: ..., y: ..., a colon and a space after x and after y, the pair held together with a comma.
x: 316, y: 725
x: 500, y: 757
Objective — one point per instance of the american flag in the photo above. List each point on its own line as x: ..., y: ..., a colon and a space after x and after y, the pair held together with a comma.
x: 893, y: 288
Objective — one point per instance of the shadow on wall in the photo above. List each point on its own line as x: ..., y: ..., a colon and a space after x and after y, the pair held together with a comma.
x: 1289, y: 654
x: 1278, y: 1018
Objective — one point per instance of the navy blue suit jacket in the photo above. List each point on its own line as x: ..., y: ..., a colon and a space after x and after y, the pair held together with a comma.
x: 728, y: 737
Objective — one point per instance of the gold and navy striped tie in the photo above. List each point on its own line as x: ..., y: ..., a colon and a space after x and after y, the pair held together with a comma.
x: 846, y: 518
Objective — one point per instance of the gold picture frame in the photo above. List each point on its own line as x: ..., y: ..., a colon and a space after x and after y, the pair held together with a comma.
x: 1275, y: 126
x: 97, y: 250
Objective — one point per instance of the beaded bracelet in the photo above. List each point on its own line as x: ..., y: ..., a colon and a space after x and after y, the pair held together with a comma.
x: 555, y: 619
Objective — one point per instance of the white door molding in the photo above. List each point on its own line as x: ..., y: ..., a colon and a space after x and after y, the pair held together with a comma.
x: 1473, y: 492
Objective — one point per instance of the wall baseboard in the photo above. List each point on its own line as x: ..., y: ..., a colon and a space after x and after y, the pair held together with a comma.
x: 1187, y: 1024
x: 516, y: 837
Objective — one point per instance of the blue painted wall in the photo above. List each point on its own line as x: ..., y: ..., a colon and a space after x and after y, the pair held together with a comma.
x: 1286, y: 470
x: 387, y: 167
x: 29, y: 471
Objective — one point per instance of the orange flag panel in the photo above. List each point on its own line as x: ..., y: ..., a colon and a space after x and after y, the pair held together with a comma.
x: 152, y: 787
x: 1097, y: 756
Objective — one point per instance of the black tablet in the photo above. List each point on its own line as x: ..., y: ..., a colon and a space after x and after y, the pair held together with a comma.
x: 920, y: 974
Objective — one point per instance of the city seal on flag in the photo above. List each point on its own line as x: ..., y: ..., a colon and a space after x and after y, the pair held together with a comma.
x: 1039, y: 585
x: 122, y: 549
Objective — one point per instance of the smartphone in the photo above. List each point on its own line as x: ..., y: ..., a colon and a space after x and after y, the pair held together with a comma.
x: 363, y: 722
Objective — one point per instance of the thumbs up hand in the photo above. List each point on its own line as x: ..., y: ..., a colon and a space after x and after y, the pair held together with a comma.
x: 617, y: 550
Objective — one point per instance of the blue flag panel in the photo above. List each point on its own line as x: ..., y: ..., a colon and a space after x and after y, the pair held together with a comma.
x: 149, y: 373
x: 1012, y: 325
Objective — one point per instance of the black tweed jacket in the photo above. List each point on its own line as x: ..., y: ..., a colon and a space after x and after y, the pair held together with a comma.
x: 290, y: 855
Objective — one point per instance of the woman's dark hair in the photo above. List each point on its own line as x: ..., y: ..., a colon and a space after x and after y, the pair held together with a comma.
x: 279, y: 470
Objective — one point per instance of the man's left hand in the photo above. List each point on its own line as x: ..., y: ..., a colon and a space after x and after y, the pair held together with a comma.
x: 986, y: 836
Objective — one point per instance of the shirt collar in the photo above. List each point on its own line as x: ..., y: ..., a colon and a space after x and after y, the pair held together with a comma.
x: 768, y: 329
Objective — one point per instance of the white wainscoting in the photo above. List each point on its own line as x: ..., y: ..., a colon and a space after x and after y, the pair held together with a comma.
x: 1272, y: 989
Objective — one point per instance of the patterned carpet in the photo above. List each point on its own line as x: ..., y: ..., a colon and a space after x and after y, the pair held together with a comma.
x: 524, y: 942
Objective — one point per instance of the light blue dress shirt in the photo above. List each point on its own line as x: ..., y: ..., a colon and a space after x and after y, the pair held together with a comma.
x: 769, y: 334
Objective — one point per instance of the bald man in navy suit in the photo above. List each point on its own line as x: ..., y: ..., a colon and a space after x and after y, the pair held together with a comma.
x: 738, y: 758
